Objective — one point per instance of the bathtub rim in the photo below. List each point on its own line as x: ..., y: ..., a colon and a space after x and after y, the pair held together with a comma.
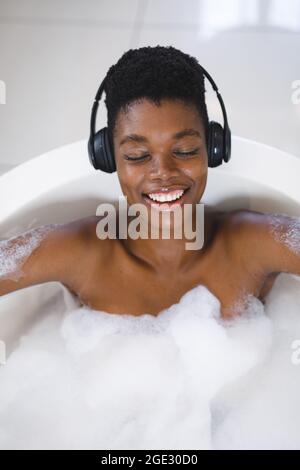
x: 250, y: 159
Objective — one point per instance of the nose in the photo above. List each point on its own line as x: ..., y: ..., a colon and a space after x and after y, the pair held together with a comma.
x: 163, y: 167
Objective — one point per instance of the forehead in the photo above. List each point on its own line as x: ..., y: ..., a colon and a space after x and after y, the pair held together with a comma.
x: 145, y: 117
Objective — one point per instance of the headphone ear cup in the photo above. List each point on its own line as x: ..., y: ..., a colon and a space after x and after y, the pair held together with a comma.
x: 227, y: 153
x: 215, y: 148
x: 103, y: 154
x: 91, y: 152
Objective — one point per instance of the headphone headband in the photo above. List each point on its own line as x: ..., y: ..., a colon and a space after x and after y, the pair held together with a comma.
x: 215, y: 88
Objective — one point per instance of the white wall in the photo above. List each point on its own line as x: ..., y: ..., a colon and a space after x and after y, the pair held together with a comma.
x: 54, y: 53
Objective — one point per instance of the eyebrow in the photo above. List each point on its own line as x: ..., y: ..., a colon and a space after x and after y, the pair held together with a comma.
x: 177, y: 136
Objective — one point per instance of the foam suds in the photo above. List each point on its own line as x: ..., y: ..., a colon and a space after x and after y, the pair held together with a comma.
x: 182, y: 380
x: 287, y: 233
x: 15, y: 251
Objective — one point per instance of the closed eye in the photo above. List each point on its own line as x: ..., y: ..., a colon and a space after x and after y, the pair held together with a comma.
x: 181, y: 154
x: 192, y: 152
x: 135, y: 159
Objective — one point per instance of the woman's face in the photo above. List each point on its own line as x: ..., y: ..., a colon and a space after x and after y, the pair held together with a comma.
x: 150, y: 144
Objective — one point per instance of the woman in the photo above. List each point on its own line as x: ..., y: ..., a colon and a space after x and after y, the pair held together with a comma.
x: 158, y: 129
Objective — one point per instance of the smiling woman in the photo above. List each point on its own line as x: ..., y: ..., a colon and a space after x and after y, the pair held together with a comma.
x: 158, y: 161
x: 161, y: 143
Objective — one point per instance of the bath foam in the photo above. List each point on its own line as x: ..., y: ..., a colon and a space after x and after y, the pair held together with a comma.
x: 263, y: 412
x: 185, y: 379
x: 16, y: 250
x: 291, y: 236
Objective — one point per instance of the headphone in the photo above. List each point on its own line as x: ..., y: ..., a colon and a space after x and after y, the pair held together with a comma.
x: 101, y: 153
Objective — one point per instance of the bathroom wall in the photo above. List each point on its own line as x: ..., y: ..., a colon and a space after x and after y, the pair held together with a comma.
x: 54, y: 53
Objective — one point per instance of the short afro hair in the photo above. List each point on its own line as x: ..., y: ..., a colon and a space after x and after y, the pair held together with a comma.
x: 154, y: 73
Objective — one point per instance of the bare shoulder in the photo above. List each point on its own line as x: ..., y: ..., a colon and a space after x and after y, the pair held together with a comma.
x: 88, y: 232
x: 50, y: 252
x: 270, y: 241
x: 246, y: 228
x: 258, y: 226
x: 226, y: 224
x: 81, y: 253
x: 67, y: 252
x: 75, y: 247
x: 241, y: 233
x: 245, y: 223
x: 83, y: 235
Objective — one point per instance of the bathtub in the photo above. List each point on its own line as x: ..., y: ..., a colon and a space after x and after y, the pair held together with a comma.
x: 61, y: 186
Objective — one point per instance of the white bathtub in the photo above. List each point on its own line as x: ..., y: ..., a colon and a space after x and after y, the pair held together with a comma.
x: 61, y: 186
x: 254, y: 176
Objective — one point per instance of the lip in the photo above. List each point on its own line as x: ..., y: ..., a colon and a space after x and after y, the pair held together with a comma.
x: 166, y: 189
x: 168, y: 205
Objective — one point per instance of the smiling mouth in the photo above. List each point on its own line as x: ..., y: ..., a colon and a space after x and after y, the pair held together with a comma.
x: 165, y: 204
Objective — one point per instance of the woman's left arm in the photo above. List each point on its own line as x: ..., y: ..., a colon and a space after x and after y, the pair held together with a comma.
x: 275, y: 240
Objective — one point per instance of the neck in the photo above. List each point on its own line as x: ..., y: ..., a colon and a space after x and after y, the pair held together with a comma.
x: 167, y: 256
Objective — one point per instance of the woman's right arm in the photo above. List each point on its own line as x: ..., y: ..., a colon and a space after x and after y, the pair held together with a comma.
x: 47, y: 253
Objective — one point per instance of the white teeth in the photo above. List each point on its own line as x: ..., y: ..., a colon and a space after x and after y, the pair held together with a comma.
x: 166, y: 197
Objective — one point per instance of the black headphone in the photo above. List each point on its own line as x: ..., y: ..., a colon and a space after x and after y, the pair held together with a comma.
x: 101, y: 152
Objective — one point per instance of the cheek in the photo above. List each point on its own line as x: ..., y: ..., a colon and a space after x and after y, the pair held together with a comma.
x: 130, y: 180
x: 198, y: 172
x: 204, y: 172
x: 199, y: 178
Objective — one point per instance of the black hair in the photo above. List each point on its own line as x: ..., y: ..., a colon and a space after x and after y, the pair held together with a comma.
x: 154, y: 73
